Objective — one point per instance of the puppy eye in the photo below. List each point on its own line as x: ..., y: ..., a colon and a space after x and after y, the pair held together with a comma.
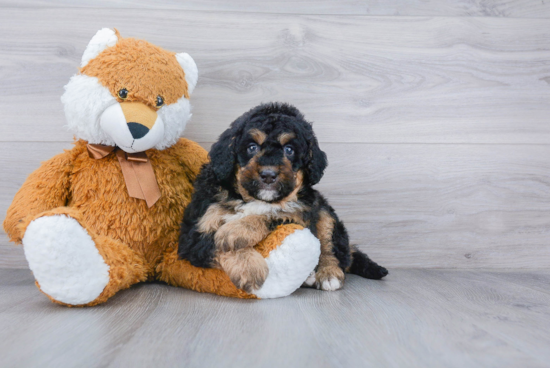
x: 160, y: 101
x: 252, y: 148
x: 289, y: 151
x: 123, y: 93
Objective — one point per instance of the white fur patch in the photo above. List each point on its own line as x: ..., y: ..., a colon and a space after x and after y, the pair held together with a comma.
x: 190, y: 68
x: 262, y: 208
x: 84, y: 101
x: 290, y: 264
x: 331, y: 284
x: 113, y: 122
x: 175, y: 117
x: 64, y: 260
x: 267, y: 195
x: 310, y: 279
x: 103, y: 38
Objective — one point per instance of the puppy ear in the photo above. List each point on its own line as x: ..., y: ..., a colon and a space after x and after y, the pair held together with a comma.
x: 316, y: 161
x: 103, y: 38
x: 223, y: 154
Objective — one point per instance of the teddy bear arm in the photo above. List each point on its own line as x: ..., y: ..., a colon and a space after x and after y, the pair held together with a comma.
x: 45, y: 189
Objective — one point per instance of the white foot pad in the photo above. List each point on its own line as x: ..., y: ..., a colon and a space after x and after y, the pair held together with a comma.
x: 64, y: 260
x: 290, y: 264
x: 310, y: 279
x: 331, y: 284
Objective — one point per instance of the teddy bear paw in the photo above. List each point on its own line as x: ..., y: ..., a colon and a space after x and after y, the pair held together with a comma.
x: 290, y: 264
x: 64, y: 260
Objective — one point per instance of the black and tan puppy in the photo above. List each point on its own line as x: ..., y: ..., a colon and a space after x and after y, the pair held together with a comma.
x: 261, y: 174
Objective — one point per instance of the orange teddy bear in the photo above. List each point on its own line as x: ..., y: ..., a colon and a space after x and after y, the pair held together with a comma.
x: 105, y: 215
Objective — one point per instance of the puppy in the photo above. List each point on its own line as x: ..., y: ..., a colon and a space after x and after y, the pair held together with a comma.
x: 261, y: 174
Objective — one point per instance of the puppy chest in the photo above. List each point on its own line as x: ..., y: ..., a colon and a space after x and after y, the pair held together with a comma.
x: 283, y: 213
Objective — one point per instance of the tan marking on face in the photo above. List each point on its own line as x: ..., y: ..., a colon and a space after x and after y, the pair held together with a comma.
x: 258, y: 136
x: 145, y: 70
x: 136, y: 112
x: 285, y: 137
x: 298, y: 184
x: 212, y: 219
x: 247, y: 173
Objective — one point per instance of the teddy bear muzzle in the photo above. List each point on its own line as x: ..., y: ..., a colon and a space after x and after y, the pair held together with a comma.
x: 134, y: 126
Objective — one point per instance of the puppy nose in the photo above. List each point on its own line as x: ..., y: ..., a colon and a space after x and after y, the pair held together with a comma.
x: 268, y: 176
x: 138, y: 130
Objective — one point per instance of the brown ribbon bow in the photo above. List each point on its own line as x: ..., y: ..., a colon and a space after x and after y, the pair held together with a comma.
x: 137, y: 171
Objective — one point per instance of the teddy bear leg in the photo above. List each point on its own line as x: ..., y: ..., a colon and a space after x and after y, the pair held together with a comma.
x: 181, y: 273
x: 73, y: 266
x: 293, y: 253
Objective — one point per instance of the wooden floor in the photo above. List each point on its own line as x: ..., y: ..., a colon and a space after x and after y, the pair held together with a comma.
x: 414, y: 318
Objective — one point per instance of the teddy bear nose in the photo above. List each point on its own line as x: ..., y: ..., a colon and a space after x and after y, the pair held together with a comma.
x: 268, y: 176
x: 138, y: 130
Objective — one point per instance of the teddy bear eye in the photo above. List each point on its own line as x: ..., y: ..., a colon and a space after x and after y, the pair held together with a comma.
x: 123, y: 93
x: 160, y: 101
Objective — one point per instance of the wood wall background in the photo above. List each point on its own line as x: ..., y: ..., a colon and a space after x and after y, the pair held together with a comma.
x: 435, y: 115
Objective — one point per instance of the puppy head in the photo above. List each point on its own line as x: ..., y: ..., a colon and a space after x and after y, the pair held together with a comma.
x: 268, y: 153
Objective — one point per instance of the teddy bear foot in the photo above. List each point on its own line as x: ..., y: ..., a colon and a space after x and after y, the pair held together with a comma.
x: 64, y: 260
x: 290, y: 264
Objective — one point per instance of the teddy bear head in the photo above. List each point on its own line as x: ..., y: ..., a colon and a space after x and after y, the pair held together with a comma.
x: 130, y: 94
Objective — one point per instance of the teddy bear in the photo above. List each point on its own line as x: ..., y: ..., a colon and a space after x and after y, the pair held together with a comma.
x: 106, y: 214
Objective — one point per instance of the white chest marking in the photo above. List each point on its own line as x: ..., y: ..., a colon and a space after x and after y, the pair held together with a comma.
x: 262, y: 208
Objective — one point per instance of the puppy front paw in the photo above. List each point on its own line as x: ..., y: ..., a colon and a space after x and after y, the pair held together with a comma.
x: 246, y: 269
x: 240, y: 234
x: 228, y: 238
x: 329, y: 278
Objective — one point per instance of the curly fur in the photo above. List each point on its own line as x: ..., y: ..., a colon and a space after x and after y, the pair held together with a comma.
x: 231, y: 191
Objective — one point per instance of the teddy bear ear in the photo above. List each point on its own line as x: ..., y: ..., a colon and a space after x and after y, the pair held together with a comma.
x: 103, y: 38
x: 190, y: 69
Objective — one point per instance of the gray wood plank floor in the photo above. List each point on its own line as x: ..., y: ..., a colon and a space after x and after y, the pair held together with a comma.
x: 414, y: 318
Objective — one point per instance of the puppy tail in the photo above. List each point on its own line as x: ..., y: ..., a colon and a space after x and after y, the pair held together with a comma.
x: 365, y: 267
